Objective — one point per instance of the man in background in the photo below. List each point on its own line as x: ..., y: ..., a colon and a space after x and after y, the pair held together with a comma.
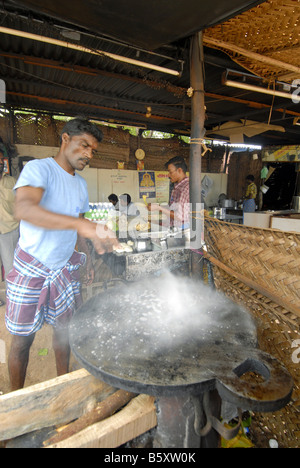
x: 178, y: 210
x: 9, y: 226
x: 250, y: 196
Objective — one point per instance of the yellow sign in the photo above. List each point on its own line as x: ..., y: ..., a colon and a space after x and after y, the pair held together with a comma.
x: 281, y: 154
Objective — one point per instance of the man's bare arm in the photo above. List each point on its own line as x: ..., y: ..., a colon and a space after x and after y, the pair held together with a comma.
x: 27, y: 208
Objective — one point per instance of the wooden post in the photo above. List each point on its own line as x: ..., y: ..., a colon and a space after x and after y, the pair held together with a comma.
x: 197, y: 133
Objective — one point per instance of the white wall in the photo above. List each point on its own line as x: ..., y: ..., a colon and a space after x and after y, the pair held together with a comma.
x: 117, y: 181
x: 103, y: 182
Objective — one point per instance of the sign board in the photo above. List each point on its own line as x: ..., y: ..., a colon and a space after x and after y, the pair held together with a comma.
x: 289, y: 153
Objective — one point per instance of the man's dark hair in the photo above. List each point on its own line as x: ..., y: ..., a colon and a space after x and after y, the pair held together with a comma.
x: 80, y: 125
x: 113, y: 197
x: 250, y: 177
x: 178, y: 162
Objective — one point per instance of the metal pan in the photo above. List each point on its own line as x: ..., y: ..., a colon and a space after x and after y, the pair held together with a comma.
x: 168, y: 338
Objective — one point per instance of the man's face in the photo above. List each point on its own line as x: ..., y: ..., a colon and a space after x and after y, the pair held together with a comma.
x: 173, y: 173
x: 1, y: 163
x: 79, y: 150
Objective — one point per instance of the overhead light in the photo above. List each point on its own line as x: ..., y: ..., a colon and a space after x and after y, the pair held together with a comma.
x: 73, y: 35
x: 257, y: 89
x: 68, y: 45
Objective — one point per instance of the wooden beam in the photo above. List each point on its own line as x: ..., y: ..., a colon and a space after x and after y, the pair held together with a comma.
x: 57, y: 65
x: 255, y: 105
x: 197, y: 135
x: 64, y: 102
x: 55, y: 401
x: 252, y: 55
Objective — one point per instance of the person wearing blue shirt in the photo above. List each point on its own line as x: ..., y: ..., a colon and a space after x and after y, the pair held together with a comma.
x: 43, y: 286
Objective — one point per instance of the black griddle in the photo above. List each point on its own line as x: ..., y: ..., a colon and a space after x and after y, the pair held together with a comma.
x: 173, y: 336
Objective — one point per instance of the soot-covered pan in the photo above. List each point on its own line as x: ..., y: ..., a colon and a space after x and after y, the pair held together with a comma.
x: 171, y: 336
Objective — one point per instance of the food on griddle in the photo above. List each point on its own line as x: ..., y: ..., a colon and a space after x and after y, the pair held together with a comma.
x: 124, y: 247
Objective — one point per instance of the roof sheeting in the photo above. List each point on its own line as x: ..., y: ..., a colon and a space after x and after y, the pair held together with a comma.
x: 149, y: 24
x: 50, y: 78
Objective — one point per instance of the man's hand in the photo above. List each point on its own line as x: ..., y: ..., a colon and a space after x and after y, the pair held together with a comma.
x: 153, y: 207
x: 103, y: 238
x: 106, y: 239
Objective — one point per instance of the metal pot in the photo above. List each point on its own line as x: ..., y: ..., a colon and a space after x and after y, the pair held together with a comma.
x: 219, y: 213
x: 142, y: 245
x: 227, y: 203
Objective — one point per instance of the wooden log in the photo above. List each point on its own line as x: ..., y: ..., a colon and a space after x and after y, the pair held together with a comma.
x: 138, y: 417
x: 56, y: 401
x: 252, y: 55
x: 102, y: 411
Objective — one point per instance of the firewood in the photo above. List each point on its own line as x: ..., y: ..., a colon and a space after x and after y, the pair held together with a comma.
x: 102, y: 410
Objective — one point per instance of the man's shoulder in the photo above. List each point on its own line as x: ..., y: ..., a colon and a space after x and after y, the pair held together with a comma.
x: 183, y: 184
x: 42, y: 164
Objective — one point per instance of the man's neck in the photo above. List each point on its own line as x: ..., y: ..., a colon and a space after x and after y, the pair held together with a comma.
x: 59, y: 158
x: 181, y: 179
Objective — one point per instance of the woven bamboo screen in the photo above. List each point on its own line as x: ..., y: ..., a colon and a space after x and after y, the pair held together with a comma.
x: 271, y: 30
x: 260, y: 268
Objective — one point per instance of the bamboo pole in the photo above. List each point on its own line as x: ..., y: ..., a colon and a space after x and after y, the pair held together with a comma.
x: 252, y: 55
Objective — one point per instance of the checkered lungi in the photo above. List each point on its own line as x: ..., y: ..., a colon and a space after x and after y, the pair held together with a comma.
x: 35, y: 294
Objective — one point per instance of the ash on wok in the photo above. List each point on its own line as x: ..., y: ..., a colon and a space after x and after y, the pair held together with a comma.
x: 157, y: 319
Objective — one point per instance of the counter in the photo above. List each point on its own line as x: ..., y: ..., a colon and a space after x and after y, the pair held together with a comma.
x: 286, y: 220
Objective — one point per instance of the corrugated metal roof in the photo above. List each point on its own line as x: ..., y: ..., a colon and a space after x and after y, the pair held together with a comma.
x: 60, y: 80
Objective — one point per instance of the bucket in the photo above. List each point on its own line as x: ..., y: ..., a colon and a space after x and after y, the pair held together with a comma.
x: 264, y: 188
x: 296, y: 203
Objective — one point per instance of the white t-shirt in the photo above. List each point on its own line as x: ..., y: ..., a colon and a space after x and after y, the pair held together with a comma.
x: 63, y: 194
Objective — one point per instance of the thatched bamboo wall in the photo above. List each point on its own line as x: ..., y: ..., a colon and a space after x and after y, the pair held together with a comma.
x: 260, y: 268
x: 117, y: 144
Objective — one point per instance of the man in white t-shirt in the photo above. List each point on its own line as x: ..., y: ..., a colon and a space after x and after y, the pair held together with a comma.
x: 43, y: 285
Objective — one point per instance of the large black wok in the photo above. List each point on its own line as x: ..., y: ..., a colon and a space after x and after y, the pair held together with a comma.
x: 172, y: 336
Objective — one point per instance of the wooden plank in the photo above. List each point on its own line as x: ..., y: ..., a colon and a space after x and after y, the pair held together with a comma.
x: 55, y: 401
x: 138, y: 417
